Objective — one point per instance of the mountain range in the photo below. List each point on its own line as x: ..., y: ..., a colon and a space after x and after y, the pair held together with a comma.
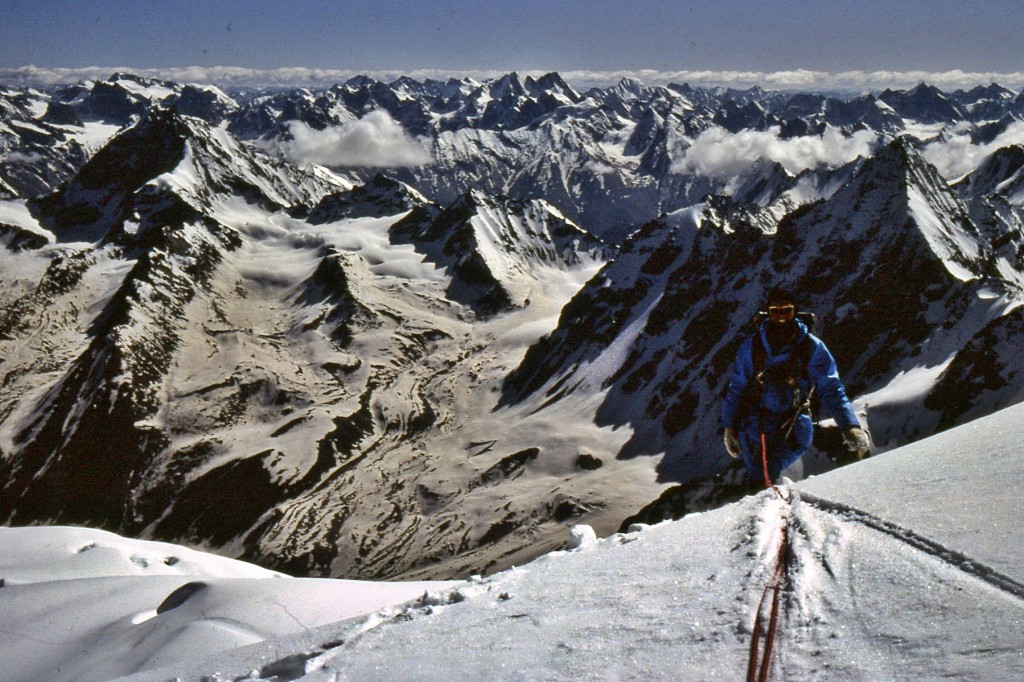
x: 417, y: 329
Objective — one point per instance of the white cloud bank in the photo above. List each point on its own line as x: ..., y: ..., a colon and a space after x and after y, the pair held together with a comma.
x: 718, y: 153
x: 956, y: 156
x: 375, y: 141
x: 22, y: 157
x: 797, y: 79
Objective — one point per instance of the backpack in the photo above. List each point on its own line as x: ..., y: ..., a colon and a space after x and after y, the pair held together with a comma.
x: 787, y: 372
x: 795, y: 366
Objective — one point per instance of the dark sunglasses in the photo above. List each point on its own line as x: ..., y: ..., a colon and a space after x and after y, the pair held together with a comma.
x: 781, y: 309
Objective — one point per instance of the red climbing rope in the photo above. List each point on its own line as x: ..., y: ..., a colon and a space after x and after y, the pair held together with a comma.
x: 759, y: 663
x: 764, y: 460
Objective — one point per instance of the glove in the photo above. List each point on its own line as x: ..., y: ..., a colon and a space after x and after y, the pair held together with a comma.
x: 732, y: 443
x: 857, y: 442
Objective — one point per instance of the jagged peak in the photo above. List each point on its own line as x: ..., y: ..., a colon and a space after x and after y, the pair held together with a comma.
x: 991, y: 91
x: 923, y: 88
x: 631, y: 86
x: 924, y: 102
x: 552, y: 83
x: 118, y: 77
x: 161, y: 132
x: 899, y: 208
x: 210, y: 92
x: 168, y: 123
x: 904, y: 149
x: 474, y: 199
x: 381, y: 196
x: 408, y: 81
x: 509, y: 85
x: 996, y: 172
x: 761, y: 183
x: 385, y: 181
x: 897, y: 167
x: 358, y: 82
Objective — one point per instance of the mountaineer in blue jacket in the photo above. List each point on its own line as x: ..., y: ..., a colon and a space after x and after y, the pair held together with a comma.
x: 766, y: 413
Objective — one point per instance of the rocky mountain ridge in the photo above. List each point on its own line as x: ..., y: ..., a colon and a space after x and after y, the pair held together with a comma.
x: 609, y: 158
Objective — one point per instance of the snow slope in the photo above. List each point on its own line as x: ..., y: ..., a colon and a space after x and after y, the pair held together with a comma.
x: 83, y: 604
x: 906, y: 566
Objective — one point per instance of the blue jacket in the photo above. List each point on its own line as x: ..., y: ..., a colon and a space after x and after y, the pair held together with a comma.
x: 777, y: 400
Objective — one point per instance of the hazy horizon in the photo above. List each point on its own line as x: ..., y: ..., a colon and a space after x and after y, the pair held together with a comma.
x: 855, y: 45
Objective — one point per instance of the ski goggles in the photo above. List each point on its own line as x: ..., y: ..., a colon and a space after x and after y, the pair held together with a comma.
x: 781, y: 310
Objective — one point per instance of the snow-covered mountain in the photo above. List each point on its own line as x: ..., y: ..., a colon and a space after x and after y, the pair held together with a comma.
x: 609, y: 158
x: 434, y: 349
x: 490, y: 245
x: 905, y: 566
x: 175, y: 333
x: 38, y: 144
x: 994, y: 194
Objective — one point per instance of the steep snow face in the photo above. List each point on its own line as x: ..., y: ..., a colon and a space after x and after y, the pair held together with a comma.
x: 897, y: 566
x: 987, y: 373
x: 1001, y: 173
x: 598, y: 327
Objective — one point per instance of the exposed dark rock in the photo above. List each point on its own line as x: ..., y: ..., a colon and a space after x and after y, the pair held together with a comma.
x: 588, y: 462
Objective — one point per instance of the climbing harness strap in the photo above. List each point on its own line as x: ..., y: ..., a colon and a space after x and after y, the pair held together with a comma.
x: 788, y: 371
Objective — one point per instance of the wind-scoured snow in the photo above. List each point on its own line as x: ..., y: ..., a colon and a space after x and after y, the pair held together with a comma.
x: 906, y: 566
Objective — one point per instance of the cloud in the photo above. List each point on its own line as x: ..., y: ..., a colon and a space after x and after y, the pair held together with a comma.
x: 22, y: 157
x: 956, y: 156
x: 718, y: 153
x: 804, y: 79
x: 794, y: 79
x: 376, y: 140
x: 595, y: 166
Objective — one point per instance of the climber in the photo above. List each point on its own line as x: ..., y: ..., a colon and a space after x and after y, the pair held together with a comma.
x: 766, y: 413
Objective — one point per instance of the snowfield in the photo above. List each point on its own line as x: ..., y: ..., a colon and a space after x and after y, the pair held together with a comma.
x: 907, y: 566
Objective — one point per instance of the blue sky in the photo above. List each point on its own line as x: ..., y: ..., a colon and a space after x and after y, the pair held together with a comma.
x: 588, y: 39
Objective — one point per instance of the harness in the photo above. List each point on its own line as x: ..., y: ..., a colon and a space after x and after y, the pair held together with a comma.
x: 788, y: 373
